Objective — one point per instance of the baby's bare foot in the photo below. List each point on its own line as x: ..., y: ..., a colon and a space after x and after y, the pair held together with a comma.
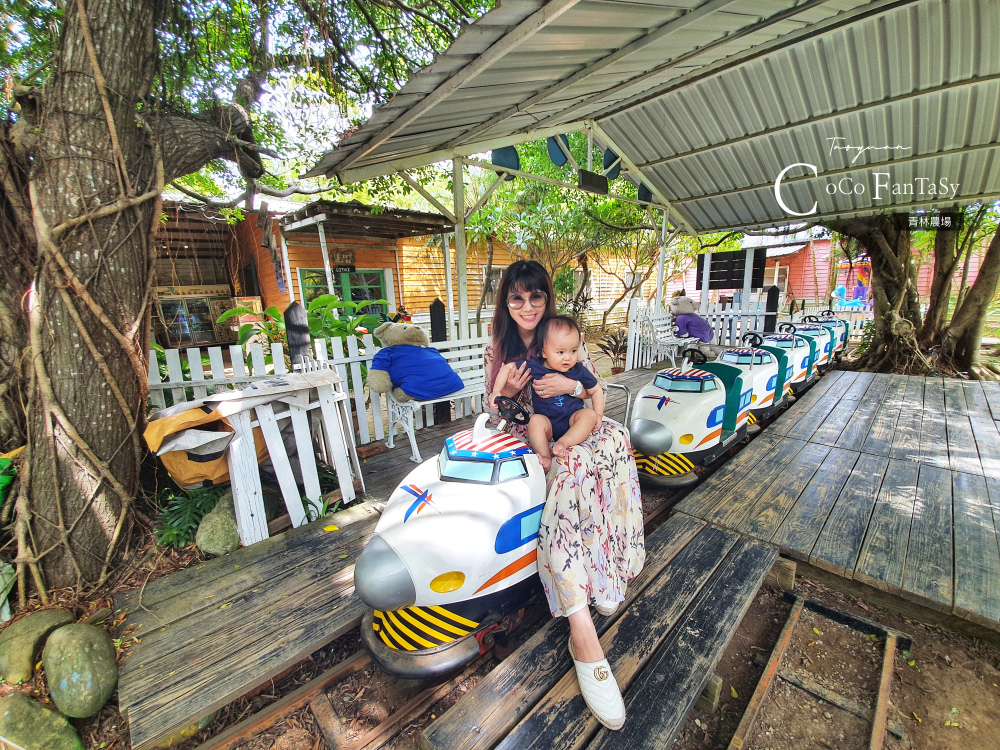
x: 561, y: 450
x: 545, y: 461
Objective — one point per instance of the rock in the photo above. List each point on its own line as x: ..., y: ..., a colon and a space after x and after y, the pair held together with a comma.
x: 80, y: 669
x: 31, y: 725
x: 217, y: 534
x: 21, y: 642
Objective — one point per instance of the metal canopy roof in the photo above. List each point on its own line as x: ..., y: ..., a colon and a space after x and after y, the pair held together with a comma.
x: 710, y: 101
x: 355, y: 219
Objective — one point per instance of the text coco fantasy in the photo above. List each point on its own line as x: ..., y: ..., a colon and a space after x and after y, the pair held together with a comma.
x: 879, y: 185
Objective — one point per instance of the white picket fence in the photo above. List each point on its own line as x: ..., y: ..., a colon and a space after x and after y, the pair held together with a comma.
x: 728, y: 324
x: 370, y: 411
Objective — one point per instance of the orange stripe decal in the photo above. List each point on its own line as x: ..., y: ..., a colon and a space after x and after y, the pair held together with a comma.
x: 511, y: 569
x: 766, y: 398
x: 709, y: 436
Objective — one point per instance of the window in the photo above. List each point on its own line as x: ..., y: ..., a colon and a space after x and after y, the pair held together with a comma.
x: 480, y: 472
x: 776, y: 276
x: 512, y: 469
x: 683, y: 386
x: 492, y: 284
x: 359, y: 286
x: 636, y: 280
x: 744, y: 359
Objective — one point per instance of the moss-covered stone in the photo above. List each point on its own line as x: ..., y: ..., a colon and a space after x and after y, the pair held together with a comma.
x: 217, y: 533
x: 31, y: 725
x: 22, y: 641
x: 80, y: 669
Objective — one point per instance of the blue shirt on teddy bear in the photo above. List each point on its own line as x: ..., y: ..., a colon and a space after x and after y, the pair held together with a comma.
x: 421, y: 372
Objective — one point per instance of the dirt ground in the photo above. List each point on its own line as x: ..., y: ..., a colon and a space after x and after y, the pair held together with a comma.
x: 946, y: 688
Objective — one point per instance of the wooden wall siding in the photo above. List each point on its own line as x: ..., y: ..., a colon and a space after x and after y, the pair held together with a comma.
x: 422, y: 267
x: 304, y: 252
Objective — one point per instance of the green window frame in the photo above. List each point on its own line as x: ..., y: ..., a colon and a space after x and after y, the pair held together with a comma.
x: 363, y: 284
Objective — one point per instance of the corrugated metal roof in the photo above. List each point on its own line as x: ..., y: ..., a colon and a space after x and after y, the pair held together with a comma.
x: 712, y: 100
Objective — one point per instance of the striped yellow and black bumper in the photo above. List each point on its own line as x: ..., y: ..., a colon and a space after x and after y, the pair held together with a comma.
x: 751, y: 419
x: 418, y: 628
x: 665, y: 464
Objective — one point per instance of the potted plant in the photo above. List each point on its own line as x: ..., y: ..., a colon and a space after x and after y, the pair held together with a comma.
x: 615, y: 345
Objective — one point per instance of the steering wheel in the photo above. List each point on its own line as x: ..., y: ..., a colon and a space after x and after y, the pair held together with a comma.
x: 786, y: 328
x: 755, y: 339
x: 512, y: 411
x: 811, y: 319
x: 695, y: 356
x: 829, y: 313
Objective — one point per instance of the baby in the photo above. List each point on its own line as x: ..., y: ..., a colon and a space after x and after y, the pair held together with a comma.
x: 563, y: 418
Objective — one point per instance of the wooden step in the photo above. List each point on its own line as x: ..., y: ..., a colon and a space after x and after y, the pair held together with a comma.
x: 212, y: 633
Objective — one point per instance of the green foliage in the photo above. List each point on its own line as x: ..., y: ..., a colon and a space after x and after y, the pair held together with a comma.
x: 181, y: 513
x: 161, y: 366
x: 270, y: 324
x: 331, y: 317
x: 314, y: 512
x: 867, y: 333
x: 615, y: 345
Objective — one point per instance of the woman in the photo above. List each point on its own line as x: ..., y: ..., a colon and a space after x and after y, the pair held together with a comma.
x: 590, y: 543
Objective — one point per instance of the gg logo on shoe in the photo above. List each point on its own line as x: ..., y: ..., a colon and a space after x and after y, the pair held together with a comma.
x: 601, y: 674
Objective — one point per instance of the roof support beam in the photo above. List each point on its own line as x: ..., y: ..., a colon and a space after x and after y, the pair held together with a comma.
x: 586, y: 104
x: 524, y: 30
x: 671, y: 27
x: 427, y: 196
x: 551, y: 181
x: 846, y: 171
x: 350, y: 176
x: 846, y: 18
x: 485, y: 196
x: 635, y: 172
x: 866, y: 107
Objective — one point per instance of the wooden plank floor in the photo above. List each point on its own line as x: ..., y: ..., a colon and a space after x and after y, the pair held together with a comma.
x: 209, y: 634
x: 891, y: 480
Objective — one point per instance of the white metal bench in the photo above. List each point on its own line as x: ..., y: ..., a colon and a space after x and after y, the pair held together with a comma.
x: 669, y: 344
x: 466, y: 358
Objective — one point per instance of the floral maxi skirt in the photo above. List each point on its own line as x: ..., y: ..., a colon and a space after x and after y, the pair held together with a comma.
x: 590, y: 543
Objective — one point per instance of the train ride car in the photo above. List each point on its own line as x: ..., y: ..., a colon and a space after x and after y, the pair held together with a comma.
x: 686, y: 418
x: 843, y: 329
x: 435, y: 607
x: 769, y: 371
x: 801, y: 356
x: 824, y: 336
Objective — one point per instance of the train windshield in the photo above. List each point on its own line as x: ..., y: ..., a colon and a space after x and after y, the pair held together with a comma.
x: 688, y: 386
x: 480, y: 472
x: 735, y: 358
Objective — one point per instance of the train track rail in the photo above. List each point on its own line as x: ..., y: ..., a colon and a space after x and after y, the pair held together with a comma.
x: 319, y: 693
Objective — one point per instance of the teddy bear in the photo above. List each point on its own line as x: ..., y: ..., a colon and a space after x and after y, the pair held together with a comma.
x: 689, y: 323
x: 408, y: 367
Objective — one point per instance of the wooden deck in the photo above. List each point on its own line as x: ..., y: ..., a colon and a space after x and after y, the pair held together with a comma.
x: 210, y: 634
x: 889, y: 480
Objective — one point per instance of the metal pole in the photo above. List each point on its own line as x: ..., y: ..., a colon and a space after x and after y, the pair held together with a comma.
x: 590, y: 150
x: 326, y: 257
x: 747, y: 281
x: 660, y: 281
x: 705, y: 276
x: 460, y: 256
x: 449, y: 291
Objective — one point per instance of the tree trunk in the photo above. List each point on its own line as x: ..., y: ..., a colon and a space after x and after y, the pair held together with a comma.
x: 945, y: 261
x: 962, y: 338
x: 894, y: 285
x: 101, y: 157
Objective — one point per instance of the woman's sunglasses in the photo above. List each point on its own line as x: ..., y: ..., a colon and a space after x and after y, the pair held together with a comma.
x: 537, y: 299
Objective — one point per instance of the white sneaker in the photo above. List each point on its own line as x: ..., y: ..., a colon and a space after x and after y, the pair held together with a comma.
x: 600, y: 690
x: 607, y: 608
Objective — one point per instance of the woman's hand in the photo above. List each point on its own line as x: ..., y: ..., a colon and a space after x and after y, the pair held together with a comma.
x: 555, y: 384
x: 519, y: 377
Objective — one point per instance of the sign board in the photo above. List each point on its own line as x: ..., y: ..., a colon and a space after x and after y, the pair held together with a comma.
x: 343, y: 269
x: 726, y: 271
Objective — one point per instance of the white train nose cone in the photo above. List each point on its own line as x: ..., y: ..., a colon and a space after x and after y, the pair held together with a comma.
x: 650, y: 438
x: 381, y: 578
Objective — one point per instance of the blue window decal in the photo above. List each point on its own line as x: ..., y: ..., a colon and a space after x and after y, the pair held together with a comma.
x: 745, y: 399
x: 717, y: 415
x: 805, y: 362
x: 519, y: 530
x: 789, y: 371
x: 827, y: 347
x: 772, y: 383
